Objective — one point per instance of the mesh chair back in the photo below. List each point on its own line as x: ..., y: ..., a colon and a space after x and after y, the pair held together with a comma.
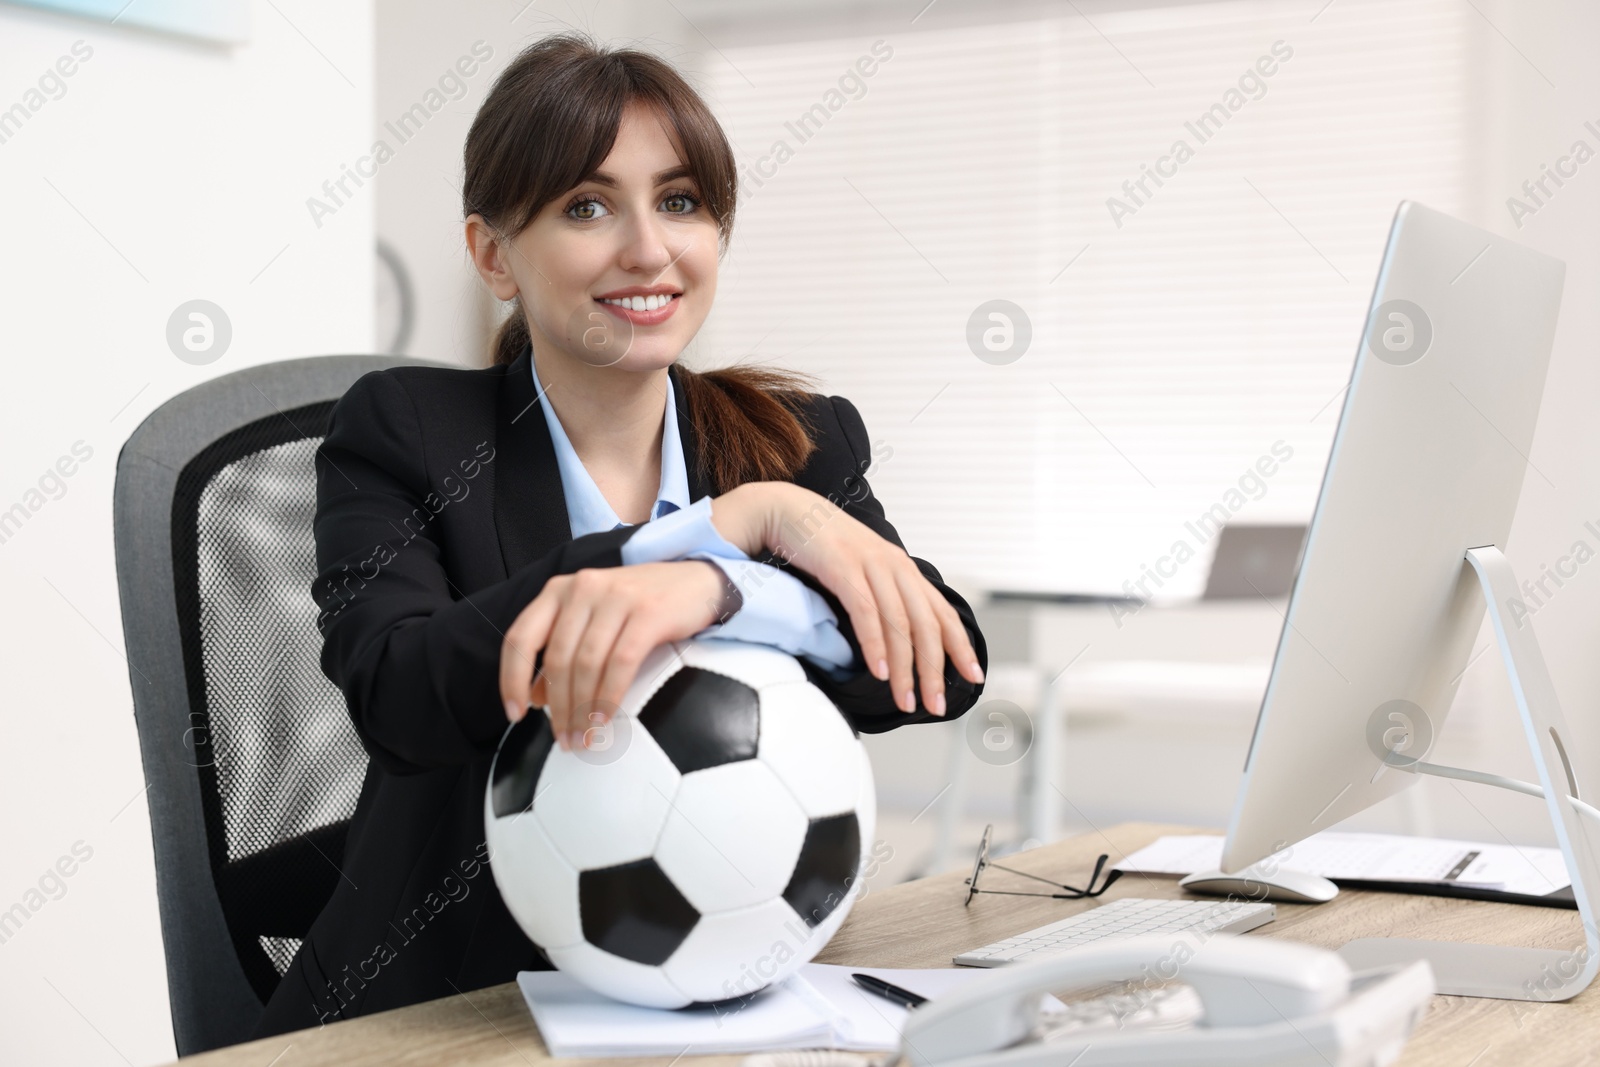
x: 252, y: 763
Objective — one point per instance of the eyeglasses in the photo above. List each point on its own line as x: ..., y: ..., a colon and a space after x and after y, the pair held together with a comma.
x: 1070, y: 892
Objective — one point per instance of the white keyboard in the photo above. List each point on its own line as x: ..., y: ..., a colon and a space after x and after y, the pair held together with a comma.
x: 1128, y: 917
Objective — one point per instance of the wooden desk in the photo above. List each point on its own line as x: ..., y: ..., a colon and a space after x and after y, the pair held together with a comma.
x: 923, y: 924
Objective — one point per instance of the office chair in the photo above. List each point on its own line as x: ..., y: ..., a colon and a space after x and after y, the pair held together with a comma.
x: 252, y: 765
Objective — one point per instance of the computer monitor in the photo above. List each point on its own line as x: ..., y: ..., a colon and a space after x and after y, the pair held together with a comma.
x: 1428, y: 461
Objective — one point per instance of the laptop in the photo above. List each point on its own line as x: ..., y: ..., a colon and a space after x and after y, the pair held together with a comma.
x: 1254, y: 561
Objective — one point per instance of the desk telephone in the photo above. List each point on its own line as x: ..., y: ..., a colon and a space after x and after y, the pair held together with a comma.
x: 1265, y: 1002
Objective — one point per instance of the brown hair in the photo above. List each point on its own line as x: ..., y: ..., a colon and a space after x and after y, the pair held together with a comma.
x: 549, y: 122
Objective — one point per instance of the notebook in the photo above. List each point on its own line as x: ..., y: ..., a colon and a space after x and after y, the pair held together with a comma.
x: 817, y: 1007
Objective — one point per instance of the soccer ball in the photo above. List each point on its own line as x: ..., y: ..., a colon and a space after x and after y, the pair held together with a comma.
x: 707, y: 843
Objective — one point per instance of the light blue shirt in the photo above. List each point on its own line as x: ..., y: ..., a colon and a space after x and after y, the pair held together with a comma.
x: 779, y: 609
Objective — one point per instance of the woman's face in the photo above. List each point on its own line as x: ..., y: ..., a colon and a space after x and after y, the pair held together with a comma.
x: 621, y: 269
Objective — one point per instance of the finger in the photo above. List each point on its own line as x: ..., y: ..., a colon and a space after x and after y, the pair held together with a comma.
x: 559, y: 654
x: 897, y: 635
x: 635, y: 641
x: 588, y: 666
x: 927, y: 636
x: 957, y: 641
x: 520, y: 648
x: 862, y: 608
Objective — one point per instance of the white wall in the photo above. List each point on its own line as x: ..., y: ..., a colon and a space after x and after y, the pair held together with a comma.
x: 168, y: 170
x: 1549, y: 88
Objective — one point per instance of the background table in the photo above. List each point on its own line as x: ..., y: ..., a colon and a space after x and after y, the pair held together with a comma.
x: 923, y: 924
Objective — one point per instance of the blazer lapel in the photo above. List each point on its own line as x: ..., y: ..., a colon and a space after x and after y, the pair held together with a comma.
x: 530, y: 509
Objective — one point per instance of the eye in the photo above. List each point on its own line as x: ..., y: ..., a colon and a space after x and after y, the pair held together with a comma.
x: 681, y: 196
x: 585, y: 209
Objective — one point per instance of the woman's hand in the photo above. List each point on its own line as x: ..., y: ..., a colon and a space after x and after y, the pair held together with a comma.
x: 902, y: 622
x: 595, y: 627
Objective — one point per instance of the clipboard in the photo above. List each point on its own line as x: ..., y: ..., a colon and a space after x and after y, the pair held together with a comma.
x: 1561, y: 898
x: 1354, y: 861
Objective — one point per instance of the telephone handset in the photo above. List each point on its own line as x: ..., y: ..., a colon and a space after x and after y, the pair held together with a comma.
x: 1265, y: 1002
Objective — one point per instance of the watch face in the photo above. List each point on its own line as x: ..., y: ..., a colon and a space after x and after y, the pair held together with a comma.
x: 393, y: 302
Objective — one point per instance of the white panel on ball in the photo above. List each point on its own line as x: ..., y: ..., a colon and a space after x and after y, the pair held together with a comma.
x: 543, y: 894
x: 812, y: 749
x: 602, y: 814
x: 757, y: 666
x: 623, y: 979
x: 771, y: 944
x: 732, y: 837
x: 866, y: 802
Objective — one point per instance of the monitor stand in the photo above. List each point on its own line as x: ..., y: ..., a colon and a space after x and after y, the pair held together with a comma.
x: 1499, y: 971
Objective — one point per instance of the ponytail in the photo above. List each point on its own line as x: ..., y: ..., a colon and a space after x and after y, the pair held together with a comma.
x: 749, y: 422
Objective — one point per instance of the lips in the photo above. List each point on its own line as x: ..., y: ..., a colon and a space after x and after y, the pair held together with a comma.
x: 644, y: 316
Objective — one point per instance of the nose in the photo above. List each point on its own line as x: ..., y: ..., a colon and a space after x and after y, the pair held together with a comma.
x: 644, y: 248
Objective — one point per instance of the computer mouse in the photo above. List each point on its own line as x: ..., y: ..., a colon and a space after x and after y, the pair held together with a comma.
x: 1289, y: 886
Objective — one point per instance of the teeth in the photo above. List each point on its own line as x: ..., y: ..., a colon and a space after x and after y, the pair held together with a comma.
x: 641, y: 303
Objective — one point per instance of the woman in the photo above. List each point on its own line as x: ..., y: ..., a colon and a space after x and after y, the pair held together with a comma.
x: 490, y: 541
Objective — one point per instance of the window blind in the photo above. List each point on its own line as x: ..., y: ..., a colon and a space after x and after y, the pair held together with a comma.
x: 1192, y: 311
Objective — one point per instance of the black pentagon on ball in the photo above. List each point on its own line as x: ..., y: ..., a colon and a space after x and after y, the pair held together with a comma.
x: 826, y: 868
x: 634, y: 911
x: 517, y: 765
x: 703, y: 719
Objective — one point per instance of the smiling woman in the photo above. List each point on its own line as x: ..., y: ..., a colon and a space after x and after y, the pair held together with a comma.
x: 555, y: 216
x: 631, y: 503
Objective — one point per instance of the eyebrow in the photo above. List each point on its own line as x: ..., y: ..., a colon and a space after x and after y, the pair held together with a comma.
x: 661, y: 178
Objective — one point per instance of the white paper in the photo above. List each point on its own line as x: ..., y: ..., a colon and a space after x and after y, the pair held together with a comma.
x: 818, y: 1007
x: 1380, y: 858
x: 576, y: 1021
x: 866, y: 1021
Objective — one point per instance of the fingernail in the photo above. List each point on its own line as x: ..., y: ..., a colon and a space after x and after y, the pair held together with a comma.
x: 883, y: 669
x: 511, y: 711
x: 977, y: 670
x: 908, y: 701
x: 575, y: 740
x: 938, y: 704
x: 561, y: 740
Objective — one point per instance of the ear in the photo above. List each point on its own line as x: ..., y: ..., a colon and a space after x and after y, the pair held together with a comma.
x: 490, y: 254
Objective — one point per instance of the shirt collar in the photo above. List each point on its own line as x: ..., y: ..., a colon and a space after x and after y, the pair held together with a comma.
x: 587, y: 509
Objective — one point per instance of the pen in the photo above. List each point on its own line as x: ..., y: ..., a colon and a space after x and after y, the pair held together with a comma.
x: 888, y: 991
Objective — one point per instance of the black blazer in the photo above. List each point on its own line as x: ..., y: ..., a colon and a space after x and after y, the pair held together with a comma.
x: 439, y: 516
